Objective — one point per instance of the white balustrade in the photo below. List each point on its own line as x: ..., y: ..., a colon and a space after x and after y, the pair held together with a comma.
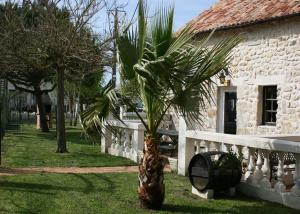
x: 259, y: 179
x: 127, y: 140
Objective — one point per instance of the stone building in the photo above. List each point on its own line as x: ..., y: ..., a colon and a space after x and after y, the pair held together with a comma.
x: 261, y: 96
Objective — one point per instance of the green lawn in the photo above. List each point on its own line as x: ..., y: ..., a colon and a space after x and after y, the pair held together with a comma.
x: 112, y: 193
x: 94, y: 193
x: 29, y: 147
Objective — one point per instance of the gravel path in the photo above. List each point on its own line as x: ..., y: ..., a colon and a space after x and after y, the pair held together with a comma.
x: 76, y: 170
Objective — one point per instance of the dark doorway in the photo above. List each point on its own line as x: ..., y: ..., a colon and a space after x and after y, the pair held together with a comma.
x: 230, y: 113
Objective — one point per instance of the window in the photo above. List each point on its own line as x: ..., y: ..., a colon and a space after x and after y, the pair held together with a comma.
x: 269, y: 105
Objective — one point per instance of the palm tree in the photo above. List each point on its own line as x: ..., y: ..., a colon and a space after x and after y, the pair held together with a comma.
x: 165, y: 71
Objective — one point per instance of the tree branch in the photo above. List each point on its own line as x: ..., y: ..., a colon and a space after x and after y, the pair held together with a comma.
x: 49, y: 90
x: 21, y: 88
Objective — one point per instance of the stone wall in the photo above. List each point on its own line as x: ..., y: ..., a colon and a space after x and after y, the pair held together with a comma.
x: 268, y: 55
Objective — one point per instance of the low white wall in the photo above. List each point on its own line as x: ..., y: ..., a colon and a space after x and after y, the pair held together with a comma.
x: 254, y: 151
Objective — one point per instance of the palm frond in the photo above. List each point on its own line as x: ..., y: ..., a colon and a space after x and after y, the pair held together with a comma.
x: 142, y: 28
x: 104, y: 109
x: 128, y: 53
x: 162, y: 30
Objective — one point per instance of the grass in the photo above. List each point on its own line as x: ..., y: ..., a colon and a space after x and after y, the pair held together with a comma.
x: 112, y: 193
x: 94, y: 193
x: 29, y: 147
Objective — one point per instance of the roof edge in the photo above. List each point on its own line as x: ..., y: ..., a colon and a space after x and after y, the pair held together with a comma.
x: 246, y: 24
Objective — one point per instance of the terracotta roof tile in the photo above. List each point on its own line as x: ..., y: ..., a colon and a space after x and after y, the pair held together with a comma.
x: 234, y: 13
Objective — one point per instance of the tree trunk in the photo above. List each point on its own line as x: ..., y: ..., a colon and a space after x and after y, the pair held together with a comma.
x: 42, y: 113
x: 151, y: 189
x: 61, y: 138
x: 81, y: 106
x: 71, y: 103
x: 76, y: 114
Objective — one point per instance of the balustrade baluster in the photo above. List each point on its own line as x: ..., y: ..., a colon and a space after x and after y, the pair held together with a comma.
x: 265, y: 182
x: 126, y: 152
x: 207, y: 146
x: 279, y: 186
x: 258, y: 174
x: 197, y: 143
x: 240, y: 152
x: 251, y: 166
x: 121, y: 142
x: 296, y: 187
x: 218, y: 146
x: 227, y: 147
x: 133, y: 153
x: 113, y: 144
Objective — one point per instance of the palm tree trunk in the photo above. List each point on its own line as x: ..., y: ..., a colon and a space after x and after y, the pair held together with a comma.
x: 151, y: 177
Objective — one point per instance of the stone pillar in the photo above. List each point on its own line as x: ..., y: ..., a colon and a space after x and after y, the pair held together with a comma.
x: 185, y: 149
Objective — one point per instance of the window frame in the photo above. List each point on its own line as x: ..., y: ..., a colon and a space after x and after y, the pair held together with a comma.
x: 272, y: 110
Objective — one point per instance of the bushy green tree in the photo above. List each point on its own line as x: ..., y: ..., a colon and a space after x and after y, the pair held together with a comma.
x: 43, y: 41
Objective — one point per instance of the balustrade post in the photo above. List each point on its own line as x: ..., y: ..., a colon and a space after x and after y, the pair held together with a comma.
x: 198, y: 147
x: 240, y: 153
x: 251, y: 166
x: 114, y: 144
x: 121, y: 143
x: 218, y: 146
x: 126, y: 152
x: 265, y: 182
x: 258, y: 174
x: 279, y: 186
x: 296, y: 187
x: 227, y: 147
x: 207, y: 146
x: 186, y: 149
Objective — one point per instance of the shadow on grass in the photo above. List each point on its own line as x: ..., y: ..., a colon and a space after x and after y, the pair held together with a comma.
x: 74, y: 136
x: 35, y: 187
x: 110, y: 185
x: 191, y: 209
x: 89, y: 187
x: 41, y: 188
x: 24, y: 210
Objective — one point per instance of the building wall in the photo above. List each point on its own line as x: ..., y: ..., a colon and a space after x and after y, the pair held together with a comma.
x: 268, y: 55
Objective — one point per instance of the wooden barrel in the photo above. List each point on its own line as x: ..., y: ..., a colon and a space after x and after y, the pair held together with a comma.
x: 205, y: 173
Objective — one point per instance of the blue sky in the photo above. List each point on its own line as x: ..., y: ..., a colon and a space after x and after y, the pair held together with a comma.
x: 185, y: 10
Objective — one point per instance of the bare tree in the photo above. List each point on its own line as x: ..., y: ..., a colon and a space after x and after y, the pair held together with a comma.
x: 58, y: 41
